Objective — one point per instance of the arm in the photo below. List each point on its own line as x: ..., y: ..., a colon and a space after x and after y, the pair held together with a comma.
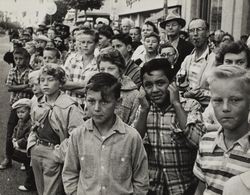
x: 140, y: 178
x: 140, y: 123
x: 71, y: 168
x: 16, y: 88
x: 70, y: 85
x: 200, y: 188
x: 175, y: 101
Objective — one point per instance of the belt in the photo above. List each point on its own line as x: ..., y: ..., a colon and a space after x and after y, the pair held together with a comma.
x: 45, y: 143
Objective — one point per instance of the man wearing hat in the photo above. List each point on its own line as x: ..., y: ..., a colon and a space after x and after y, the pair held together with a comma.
x: 41, y: 41
x: 173, y: 25
x: 171, y: 128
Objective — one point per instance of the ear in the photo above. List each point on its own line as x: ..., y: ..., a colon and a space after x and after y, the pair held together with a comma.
x: 129, y: 48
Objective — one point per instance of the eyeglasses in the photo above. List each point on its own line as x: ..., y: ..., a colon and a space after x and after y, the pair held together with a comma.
x: 166, y: 55
x: 198, y: 30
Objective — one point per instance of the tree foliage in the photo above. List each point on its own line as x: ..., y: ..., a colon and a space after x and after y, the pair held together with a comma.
x: 62, y: 9
x: 84, y: 4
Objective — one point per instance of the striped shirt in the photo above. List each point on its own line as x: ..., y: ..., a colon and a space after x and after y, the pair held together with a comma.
x: 16, y: 77
x: 215, y: 164
x: 133, y: 71
x: 172, y: 151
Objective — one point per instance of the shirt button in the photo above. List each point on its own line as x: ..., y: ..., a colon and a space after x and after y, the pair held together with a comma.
x: 103, y: 188
x: 226, y: 155
x: 102, y: 167
x: 164, y: 169
x: 103, y: 137
x: 162, y: 152
x: 103, y: 146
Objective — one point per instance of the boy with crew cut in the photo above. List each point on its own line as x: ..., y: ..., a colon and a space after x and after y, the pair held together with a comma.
x: 171, y: 127
x: 51, y: 55
x: 105, y: 155
x: 225, y: 153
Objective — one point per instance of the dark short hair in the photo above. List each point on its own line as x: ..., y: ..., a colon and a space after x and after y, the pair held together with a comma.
x: 153, y: 34
x: 106, y: 31
x: 125, y: 38
x: 113, y: 56
x: 155, y: 29
x: 165, y: 45
x: 106, y: 83
x: 55, y: 50
x: 158, y: 64
x: 22, y: 51
x: 137, y: 28
x: 233, y: 47
x: 54, y: 70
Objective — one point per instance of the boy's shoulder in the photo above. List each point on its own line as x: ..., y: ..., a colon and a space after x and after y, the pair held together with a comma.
x: 64, y: 101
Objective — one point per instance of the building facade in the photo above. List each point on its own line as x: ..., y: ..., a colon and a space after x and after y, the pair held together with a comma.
x: 232, y: 16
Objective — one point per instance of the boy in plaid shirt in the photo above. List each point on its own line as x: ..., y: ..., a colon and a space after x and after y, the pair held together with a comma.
x: 18, y: 84
x: 172, y: 128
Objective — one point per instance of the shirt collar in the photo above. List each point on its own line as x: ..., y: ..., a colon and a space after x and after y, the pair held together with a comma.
x: 244, y: 141
x: 118, y: 126
x: 203, y: 56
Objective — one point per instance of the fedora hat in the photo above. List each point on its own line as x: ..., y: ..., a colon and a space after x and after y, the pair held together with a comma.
x: 172, y: 16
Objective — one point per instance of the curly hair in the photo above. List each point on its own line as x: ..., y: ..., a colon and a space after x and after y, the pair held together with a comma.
x: 54, y: 70
x: 235, y: 48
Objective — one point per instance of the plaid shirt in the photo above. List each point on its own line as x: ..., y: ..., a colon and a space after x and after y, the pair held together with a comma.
x: 76, y: 72
x: 172, y: 151
x: 15, y: 77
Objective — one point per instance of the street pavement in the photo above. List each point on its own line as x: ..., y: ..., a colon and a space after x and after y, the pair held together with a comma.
x: 11, y: 178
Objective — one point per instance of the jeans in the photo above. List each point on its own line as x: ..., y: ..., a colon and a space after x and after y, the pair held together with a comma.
x: 47, y: 170
x: 12, y: 122
x: 22, y: 157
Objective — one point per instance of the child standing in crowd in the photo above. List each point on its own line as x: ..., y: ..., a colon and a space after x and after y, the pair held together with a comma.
x: 18, y: 84
x: 105, y: 155
x: 51, y: 55
x: 111, y: 61
x: 19, y: 140
x: 172, y: 128
x: 54, y: 117
x: 225, y: 152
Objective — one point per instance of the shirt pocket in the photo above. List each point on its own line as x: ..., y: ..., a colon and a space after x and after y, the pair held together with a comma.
x: 121, y: 167
x: 87, y: 165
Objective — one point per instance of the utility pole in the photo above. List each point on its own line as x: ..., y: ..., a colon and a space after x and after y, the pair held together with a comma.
x: 165, y: 8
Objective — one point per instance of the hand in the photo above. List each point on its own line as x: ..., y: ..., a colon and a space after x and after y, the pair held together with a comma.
x: 144, y: 102
x: 15, y: 144
x: 174, y: 93
x: 193, y: 93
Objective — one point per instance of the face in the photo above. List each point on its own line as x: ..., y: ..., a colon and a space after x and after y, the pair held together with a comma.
x: 146, y: 29
x: 19, y: 60
x: 36, y: 89
x: 121, y: 47
x: 101, y: 111
x: 172, y: 28
x: 125, y: 27
x: 30, y: 49
x: 23, y: 113
x: 49, y: 56
x: 151, y: 44
x: 49, y: 84
x: 58, y: 41
x: 50, y: 44
x: 41, y: 43
x: 169, y: 53
x: 198, y: 33
x: 156, y: 86
x: 51, y: 34
x: 110, y: 68
x: 86, y: 44
x: 103, y: 41
x: 236, y: 59
x: 230, y: 103
x: 135, y: 35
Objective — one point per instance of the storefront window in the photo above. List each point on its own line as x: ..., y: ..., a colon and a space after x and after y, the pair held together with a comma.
x: 215, y: 15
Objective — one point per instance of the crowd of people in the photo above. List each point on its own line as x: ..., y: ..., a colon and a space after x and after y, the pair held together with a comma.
x: 113, y: 110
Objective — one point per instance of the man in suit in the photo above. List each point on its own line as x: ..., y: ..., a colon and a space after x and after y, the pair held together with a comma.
x: 173, y: 25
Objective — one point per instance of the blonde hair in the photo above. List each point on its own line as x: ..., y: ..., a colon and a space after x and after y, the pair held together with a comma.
x: 231, y: 72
